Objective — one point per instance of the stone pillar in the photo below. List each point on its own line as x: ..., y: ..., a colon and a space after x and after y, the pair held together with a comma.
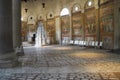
x: 6, y: 39
x: 97, y: 25
x: 71, y: 31
x: 16, y: 6
x: 5, y: 26
x: 97, y: 11
x: 60, y: 31
x: 83, y: 24
x: 116, y: 24
x: 57, y: 24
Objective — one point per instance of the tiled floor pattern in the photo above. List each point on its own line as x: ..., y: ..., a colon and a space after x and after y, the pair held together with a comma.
x: 63, y: 76
x: 57, y: 56
x: 64, y: 63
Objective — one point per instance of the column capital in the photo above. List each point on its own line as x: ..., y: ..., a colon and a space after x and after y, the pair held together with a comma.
x: 83, y: 10
x: 96, y: 6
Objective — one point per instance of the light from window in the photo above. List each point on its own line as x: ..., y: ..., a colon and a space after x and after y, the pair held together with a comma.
x: 76, y: 8
x: 89, y: 3
x: 64, y: 11
x: 21, y: 18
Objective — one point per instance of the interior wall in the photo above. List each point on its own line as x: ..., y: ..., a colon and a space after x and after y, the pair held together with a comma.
x: 117, y: 24
x: 107, y: 27
x: 38, y: 11
x: 50, y: 30
x: 118, y: 29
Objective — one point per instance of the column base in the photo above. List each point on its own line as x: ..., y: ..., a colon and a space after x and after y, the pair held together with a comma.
x: 8, y: 60
x: 117, y: 51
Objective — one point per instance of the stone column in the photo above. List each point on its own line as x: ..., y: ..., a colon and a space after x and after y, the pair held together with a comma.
x: 5, y: 26
x: 71, y: 30
x: 83, y: 24
x: 97, y: 11
x: 6, y: 39
x: 57, y: 24
x: 97, y: 25
x: 16, y: 6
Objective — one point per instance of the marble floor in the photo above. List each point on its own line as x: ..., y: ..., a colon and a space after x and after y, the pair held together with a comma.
x: 57, y: 62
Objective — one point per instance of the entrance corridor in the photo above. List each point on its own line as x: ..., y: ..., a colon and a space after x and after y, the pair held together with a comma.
x: 64, y: 63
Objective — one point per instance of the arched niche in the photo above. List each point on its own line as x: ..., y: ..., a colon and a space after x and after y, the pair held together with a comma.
x: 77, y: 23
x: 90, y: 21
x: 89, y: 4
x: 31, y: 19
x: 65, y: 24
x: 64, y: 12
x: 50, y: 15
x: 31, y: 27
x: 40, y: 20
x: 40, y: 17
x: 76, y: 8
x: 50, y: 28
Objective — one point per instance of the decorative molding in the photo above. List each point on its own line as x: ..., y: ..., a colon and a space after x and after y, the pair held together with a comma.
x: 57, y: 16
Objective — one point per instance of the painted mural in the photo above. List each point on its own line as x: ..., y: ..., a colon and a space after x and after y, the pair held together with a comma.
x: 107, y: 42
x: 24, y: 31
x: 77, y: 26
x: 65, y: 24
x: 107, y: 25
x: 106, y: 16
x: 90, y: 24
x: 90, y: 27
x: 50, y: 31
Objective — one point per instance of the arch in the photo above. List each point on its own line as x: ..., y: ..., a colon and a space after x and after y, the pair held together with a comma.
x: 76, y: 7
x: 40, y: 17
x: 64, y: 11
x: 31, y: 19
x: 89, y: 4
x: 50, y: 15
